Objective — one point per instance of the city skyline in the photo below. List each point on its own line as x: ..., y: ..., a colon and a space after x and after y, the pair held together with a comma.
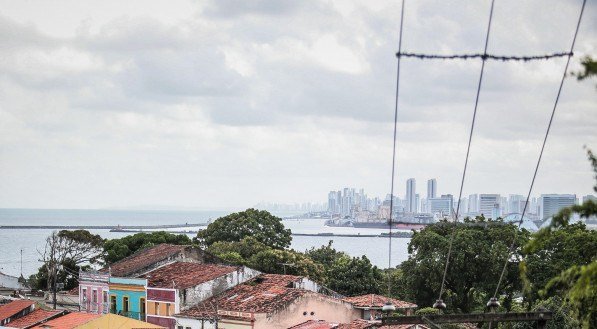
x: 224, y: 104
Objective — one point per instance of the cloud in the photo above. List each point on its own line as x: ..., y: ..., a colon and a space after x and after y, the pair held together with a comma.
x: 228, y: 103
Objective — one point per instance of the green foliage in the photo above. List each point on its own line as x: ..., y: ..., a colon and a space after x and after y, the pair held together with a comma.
x: 117, y: 249
x: 245, y: 248
x: 325, y: 255
x: 396, y: 276
x: 271, y: 260
x: 67, y: 274
x: 427, y: 311
x: 579, y: 285
x: 547, y: 255
x: 259, y: 224
x: 562, y: 318
x: 479, y: 248
x: 353, y: 276
x: 589, y: 68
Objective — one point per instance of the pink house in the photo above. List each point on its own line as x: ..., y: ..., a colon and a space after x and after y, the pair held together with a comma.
x: 93, y: 292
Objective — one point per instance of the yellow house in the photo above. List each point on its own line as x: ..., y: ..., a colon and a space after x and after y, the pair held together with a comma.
x: 117, y: 321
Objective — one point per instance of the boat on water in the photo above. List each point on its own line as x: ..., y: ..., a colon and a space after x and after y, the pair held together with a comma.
x: 412, y: 222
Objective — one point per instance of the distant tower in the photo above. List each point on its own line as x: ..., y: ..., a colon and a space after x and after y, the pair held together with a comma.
x: 431, y: 188
x: 411, y: 200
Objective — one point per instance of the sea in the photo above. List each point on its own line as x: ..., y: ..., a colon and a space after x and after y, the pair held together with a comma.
x: 30, y: 242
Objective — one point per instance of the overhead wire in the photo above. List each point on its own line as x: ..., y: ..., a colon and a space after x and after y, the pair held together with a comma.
x: 394, y: 147
x: 547, y: 131
x: 484, y: 56
x: 468, y: 149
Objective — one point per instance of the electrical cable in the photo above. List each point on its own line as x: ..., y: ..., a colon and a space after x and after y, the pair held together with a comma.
x: 470, y: 138
x: 553, y: 111
x: 394, y: 149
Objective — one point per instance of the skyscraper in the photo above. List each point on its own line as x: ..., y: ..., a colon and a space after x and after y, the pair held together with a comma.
x: 473, y: 204
x: 552, y: 203
x: 411, y: 201
x: 431, y: 188
x: 487, y: 205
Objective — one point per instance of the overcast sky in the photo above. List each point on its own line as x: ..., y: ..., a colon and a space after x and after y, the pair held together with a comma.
x: 228, y: 103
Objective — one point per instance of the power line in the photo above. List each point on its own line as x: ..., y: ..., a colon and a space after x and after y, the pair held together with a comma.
x: 394, y: 149
x: 468, y: 149
x: 553, y: 111
x: 484, y: 56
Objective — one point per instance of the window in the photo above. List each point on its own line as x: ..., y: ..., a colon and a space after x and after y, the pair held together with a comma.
x: 105, y: 296
x: 157, y: 308
x: 167, y: 309
x: 180, y: 327
x: 125, y: 304
x: 113, y: 304
x: 84, y: 297
x: 94, y: 296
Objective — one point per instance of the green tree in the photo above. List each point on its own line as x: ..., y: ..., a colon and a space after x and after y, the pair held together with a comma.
x: 325, y: 255
x: 273, y: 260
x: 352, y: 276
x: 547, y: 255
x: 67, y: 274
x: 478, y: 253
x: 259, y: 224
x: 117, y: 249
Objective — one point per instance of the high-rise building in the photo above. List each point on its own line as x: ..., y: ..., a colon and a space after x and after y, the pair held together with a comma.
x: 473, y: 204
x: 443, y: 205
x: 431, y: 188
x: 417, y: 203
x: 411, y: 202
x: 487, y: 205
x: 514, y: 202
x: 332, y: 202
x: 552, y: 203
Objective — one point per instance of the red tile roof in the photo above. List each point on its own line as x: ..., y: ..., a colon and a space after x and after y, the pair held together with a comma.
x: 356, y: 324
x: 376, y: 301
x: 404, y: 326
x: 69, y: 321
x: 144, y: 258
x: 183, y: 275
x: 34, y: 318
x: 315, y: 324
x: 14, y: 307
x: 264, y: 294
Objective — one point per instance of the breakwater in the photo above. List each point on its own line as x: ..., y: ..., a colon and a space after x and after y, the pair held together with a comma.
x: 97, y: 227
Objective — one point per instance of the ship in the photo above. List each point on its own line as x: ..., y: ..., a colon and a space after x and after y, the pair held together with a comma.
x: 412, y: 222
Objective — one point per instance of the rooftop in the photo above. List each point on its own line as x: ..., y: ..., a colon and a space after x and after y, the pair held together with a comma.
x: 263, y: 294
x: 356, y: 324
x: 144, y: 258
x: 34, y: 318
x: 182, y: 275
x: 315, y: 324
x: 14, y: 307
x: 69, y: 321
x: 376, y: 301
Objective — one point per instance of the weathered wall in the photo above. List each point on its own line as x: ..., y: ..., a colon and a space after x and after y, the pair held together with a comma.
x: 194, y: 295
x: 195, y: 324
x: 10, y: 282
x: 308, y: 307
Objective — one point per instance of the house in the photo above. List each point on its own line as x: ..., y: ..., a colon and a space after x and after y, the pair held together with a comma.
x: 127, y: 297
x: 179, y: 285
x: 79, y: 320
x: 38, y: 316
x: 267, y: 301
x: 11, y: 282
x: 151, y: 258
x: 14, y: 310
x: 370, y: 305
x: 93, y: 292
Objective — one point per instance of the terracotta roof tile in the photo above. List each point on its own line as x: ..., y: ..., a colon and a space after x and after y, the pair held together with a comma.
x: 376, y: 301
x: 14, y: 307
x: 263, y: 294
x: 69, y: 321
x: 183, y: 275
x: 144, y: 258
x: 34, y: 318
x: 404, y: 326
x: 356, y: 324
x: 315, y: 324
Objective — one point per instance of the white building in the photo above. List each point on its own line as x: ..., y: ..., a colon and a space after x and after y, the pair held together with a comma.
x: 473, y: 204
x: 552, y: 203
x: 488, y: 204
x: 442, y: 205
x: 411, y: 198
x: 431, y: 188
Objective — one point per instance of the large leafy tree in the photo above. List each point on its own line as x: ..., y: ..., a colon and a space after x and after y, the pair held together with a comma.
x: 287, y: 262
x: 352, y: 276
x: 259, y: 224
x: 479, y: 250
x: 117, y: 249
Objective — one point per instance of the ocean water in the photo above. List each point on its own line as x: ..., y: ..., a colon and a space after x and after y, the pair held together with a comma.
x: 32, y: 241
